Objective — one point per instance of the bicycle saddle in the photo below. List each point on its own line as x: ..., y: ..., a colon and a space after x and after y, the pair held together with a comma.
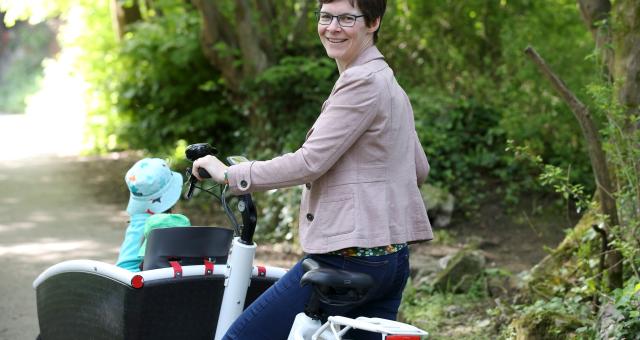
x: 330, y: 277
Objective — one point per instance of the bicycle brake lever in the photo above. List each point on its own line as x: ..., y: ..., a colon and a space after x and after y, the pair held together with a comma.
x: 192, y: 185
x: 193, y: 180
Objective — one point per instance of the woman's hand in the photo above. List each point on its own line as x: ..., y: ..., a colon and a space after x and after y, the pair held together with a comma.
x: 212, y: 165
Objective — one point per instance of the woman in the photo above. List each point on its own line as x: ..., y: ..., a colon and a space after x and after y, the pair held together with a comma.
x: 361, y: 164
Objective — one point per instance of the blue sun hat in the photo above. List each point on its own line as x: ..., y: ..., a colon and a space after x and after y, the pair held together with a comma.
x: 154, y: 187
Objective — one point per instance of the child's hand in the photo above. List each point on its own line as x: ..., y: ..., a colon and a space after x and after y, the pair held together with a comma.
x: 212, y: 165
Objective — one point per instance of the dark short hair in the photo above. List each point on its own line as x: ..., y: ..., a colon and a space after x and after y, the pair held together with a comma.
x: 371, y: 9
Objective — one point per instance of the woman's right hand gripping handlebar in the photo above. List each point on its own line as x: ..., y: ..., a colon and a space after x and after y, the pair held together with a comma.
x: 212, y: 165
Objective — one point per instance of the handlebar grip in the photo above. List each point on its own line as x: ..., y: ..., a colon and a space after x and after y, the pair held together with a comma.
x: 203, y: 173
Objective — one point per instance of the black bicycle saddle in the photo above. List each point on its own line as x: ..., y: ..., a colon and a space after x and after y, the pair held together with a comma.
x: 319, y: 275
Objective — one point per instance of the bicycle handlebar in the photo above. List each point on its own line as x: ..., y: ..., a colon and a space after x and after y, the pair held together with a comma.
x: 245, y: 204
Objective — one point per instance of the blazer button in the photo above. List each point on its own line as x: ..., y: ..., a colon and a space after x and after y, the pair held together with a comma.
x: 310, y: 217
x: 243, y: 183
x: 308, y: 185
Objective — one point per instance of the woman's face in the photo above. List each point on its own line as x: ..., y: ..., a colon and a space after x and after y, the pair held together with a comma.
x: 344, y: 44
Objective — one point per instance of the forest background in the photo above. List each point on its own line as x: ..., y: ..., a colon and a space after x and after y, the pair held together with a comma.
x: 250, y: 76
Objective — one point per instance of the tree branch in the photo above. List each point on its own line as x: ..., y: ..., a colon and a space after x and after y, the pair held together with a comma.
x: 605, y: 189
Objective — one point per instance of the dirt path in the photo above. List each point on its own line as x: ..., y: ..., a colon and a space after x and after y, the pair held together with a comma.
x: 47, y: 216
x: 49, y: 212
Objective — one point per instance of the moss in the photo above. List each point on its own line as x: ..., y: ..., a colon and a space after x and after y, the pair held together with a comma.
x: 461, y: 272
x: 545, y: 324
x: 545, y: 276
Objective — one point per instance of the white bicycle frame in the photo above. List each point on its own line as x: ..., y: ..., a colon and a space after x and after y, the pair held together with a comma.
x: 236, y: 283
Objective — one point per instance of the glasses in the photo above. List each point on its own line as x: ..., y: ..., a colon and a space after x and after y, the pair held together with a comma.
x: 344, y: 20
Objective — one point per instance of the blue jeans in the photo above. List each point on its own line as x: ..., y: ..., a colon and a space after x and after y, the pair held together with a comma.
x: 272, y: 314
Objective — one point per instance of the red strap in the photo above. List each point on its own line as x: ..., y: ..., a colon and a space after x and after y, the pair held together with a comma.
x: 208, y: 267
x: 177, y: 268
x: 402, y: 337
x: 262, y: 271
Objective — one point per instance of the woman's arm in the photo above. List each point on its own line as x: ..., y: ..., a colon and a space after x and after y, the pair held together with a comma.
x: 351, y: 109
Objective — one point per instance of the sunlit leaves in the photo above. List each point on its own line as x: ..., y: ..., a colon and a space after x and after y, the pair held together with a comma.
x: 34, y: 11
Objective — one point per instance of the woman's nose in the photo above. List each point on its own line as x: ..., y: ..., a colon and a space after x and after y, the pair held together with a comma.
x: 334, y: 25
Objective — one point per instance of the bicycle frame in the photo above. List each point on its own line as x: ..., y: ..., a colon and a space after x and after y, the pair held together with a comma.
x: 238, y: 276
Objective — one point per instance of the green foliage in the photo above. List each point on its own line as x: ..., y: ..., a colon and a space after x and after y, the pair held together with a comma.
x: 166, y: 90
x: 558, y: 318
x: 552, y: 176
x: 35, y: 11
x: 623, y: 154
x: 284, y: 101
x: 278, y: 219
x: 21, y: 68
x: 443, y: 237
x: 469, y: 82
x: 472, y: 88
x: 459, y: 135
x: 627, y: 302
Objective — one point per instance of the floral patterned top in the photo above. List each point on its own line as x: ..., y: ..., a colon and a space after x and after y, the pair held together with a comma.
x: 376, y: 251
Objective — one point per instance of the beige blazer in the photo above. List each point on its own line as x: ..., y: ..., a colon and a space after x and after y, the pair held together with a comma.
x: 361, y: 164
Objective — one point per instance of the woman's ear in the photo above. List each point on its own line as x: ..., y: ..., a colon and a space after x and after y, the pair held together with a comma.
x: 374, y: 25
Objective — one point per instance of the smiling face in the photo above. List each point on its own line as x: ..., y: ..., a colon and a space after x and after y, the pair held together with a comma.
x: 344, y: 44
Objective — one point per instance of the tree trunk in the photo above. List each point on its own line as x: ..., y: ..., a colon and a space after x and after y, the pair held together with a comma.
x: 627, y: 66
x: 627, y: 61
x: 254, y: 59
x: 268, y: 20
x: 237, y: 49
x: 301, y: 23
x: 218, y: 42
x: 122, y: 16
x: 595, y: 14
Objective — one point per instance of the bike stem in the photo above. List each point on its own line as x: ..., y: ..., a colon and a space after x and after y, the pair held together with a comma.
x: 249, y: 218
x: 239, y: 268
x: 238, y: 278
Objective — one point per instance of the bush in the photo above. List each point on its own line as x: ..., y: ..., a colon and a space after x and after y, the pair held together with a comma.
x: 167, y: 90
